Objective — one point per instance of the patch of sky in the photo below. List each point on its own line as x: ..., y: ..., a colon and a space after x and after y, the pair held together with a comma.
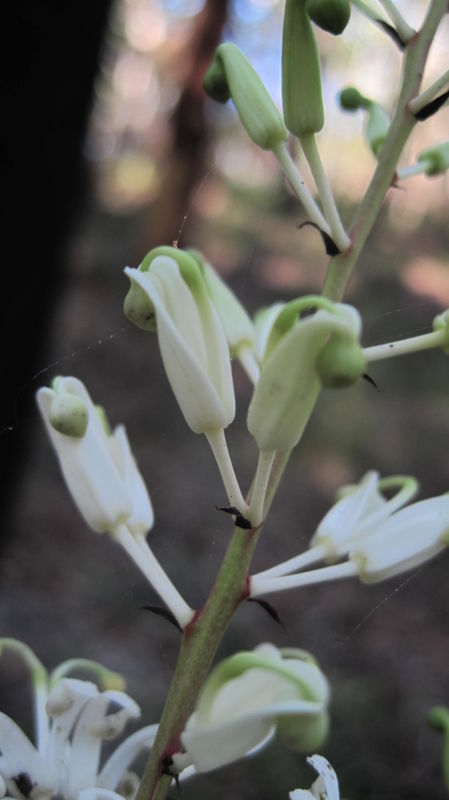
x: 183, y: 8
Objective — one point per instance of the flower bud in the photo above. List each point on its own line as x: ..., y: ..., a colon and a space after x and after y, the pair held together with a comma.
x: 378, y: 121
x: 340, y: 363
x: 301, y: 72
x: 436, y: 159
x: 351, y: 99
x: 289, y: 383
x: 232, y: 76
x: 191, y: 338
x: 99, y: 468
x: 246, y: 697
x: 330, y: 15
x: 377, y: 127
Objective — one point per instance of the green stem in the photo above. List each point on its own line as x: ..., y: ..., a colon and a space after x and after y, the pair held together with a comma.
x: 198, y: 647
x: 341, y: 267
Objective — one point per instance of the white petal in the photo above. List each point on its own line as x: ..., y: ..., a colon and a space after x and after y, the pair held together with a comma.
x: 87, y: 743
x: 142, y: 517
x: 212, y: 746
x: 408, y: 538
x: 21, y: 765
x: 338, y: 525
x: 185, y: 367
x: 63, y: 722
x: 301, y: 794
x: 97, y: 793
x: 124, y: 755
x: 89, y: 471
x: 215, y: 358
x: 326, y: 786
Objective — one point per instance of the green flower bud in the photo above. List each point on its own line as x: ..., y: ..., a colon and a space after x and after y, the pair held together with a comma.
x: 232, y: 76
x: 303, y: 734
x: 377, y: 127
x: 301, y: 72
x: 69, y: 415
x: 340, y: 363
x: 289, y: 383
x: 330, y: 15
x: 441, y: 323
x: 378, y: 121
x: 436, y: 159
x: 351, y: 99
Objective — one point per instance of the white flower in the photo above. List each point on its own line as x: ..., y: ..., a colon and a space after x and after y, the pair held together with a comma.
x: 99, y: 468
x: 405, y: 540
x: 326, y: 785
x: 72, y: 718
x: 359, y: 508
x: 250, y: 696
x: 169, y: 284
x: 378, y: 538
x: 191, y: 339
x: 103, y: 479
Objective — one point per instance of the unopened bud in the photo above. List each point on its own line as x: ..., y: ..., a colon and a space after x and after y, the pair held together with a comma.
x: 232, y: 76
x: 301, y: 72
x: 351, y: 99
x: 378, y: 121
x: 330, y: 15
x: 436, y: 159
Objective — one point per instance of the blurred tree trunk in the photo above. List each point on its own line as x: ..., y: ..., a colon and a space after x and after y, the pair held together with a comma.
x: 47, y: 88
x: 185, y: 163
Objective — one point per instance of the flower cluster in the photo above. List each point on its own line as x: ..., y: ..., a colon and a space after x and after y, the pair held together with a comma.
x: 72, y: 720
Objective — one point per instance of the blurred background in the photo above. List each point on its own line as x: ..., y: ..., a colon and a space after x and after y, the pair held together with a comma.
x: 111, y: 148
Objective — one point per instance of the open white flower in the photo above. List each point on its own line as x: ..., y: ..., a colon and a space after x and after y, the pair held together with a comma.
x: 358, y: 508
x: 248, y: 697
x: 325, y: 787
x: 103, y: 479
x: 378, y: 538
x: 72, y: 719
x: 406, y: 540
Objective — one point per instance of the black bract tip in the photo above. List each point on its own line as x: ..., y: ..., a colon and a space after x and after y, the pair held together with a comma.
x: 329, y: 244
x: 160, y: 611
